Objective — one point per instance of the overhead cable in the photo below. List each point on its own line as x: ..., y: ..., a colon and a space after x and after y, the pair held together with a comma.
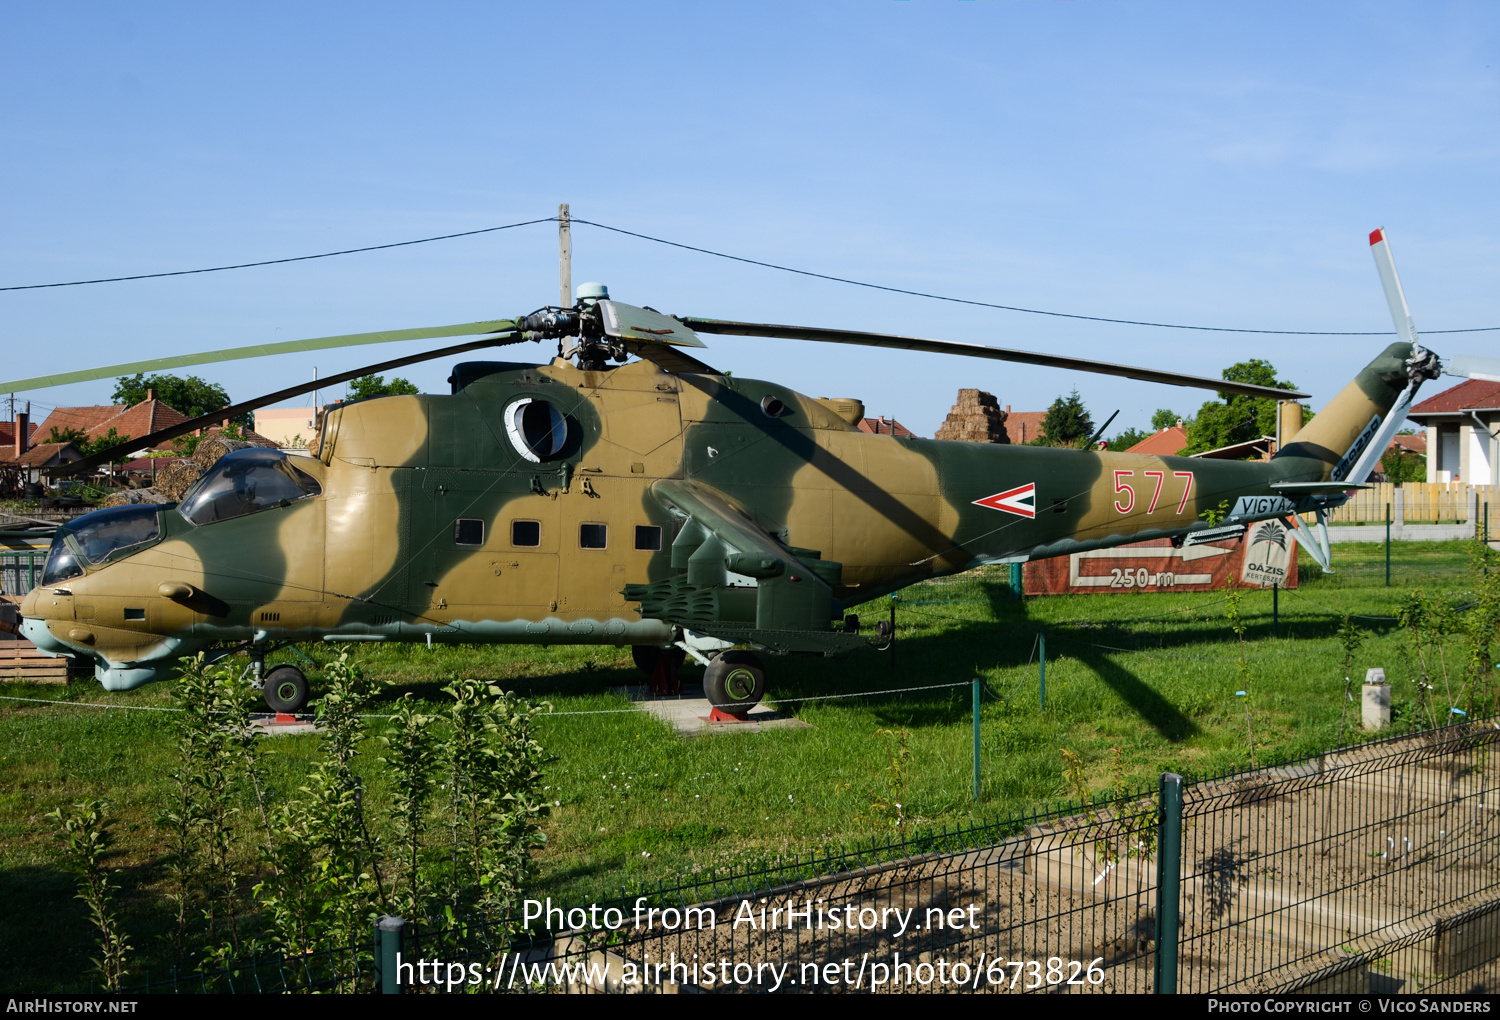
x: 277, y: 262
x: 747, y: 261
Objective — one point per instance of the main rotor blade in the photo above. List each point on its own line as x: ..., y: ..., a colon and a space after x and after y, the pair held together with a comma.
x: 912, y: 343
x: 259, y: 351
x: 234, y: 410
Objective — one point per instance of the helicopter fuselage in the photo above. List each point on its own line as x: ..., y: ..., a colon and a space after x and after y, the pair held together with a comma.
x: 626, y: 505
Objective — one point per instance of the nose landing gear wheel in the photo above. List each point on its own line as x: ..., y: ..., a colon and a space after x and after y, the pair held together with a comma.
x: 286, y: 689
x: 735, y: 681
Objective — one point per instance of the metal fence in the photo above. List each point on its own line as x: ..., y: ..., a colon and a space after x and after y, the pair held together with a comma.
x: 1373, y: 868
x: 21, y: 571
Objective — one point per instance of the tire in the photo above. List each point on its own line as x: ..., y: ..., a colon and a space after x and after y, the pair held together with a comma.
x: 645, y: 657
x: 286, y: 689
x: 735, y: 681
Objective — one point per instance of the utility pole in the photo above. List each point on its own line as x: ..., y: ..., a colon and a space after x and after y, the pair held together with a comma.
x: 564, y: 256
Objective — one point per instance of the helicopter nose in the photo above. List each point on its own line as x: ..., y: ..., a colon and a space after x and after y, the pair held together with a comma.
x: 35, y: 630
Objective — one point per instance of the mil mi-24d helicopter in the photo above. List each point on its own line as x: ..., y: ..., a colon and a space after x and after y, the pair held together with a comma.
x: 654, y: 502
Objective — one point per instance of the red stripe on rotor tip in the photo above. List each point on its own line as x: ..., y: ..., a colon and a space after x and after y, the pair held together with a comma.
x: 1377, y: 235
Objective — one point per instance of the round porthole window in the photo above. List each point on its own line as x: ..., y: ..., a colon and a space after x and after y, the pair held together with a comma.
x: 536, y: 429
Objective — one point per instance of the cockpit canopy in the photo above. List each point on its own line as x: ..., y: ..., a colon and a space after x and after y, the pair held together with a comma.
x: 98, y: 536
x: 244, y: 482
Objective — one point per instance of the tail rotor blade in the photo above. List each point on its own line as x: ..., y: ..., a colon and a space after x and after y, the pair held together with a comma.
x: 1472, y: 366
x: 1380, y: 247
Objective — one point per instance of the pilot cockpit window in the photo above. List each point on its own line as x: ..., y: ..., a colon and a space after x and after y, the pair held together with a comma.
x: 102, y: 532
x: 244, y: 482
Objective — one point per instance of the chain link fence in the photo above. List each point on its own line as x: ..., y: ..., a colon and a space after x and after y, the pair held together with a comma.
x: 1370, y: 869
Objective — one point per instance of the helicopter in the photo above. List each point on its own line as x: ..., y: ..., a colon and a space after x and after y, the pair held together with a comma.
x: 627, y: 493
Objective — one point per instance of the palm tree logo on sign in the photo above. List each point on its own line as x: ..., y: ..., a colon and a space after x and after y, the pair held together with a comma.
x: 1269, y: 549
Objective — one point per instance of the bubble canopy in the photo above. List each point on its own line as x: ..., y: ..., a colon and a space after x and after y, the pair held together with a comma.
x: 98, y: 536
x: 244, y: 482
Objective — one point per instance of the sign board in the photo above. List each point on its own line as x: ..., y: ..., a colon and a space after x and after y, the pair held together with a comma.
x: 1270, y: 555
x: 1262, y: 557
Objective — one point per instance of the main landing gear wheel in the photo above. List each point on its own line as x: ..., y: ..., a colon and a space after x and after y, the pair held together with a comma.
x: 735, y: 681
x: 286, y: 689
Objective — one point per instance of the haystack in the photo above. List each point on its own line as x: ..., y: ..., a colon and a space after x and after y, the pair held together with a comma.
x: 976, y: 418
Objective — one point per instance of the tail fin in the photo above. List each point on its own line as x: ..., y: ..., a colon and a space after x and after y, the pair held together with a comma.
x: 1333, y: 446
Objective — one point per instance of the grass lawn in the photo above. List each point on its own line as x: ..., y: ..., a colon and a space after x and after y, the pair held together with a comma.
x: 1136, y: 684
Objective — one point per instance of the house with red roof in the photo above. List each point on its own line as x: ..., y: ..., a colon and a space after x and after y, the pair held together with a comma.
x: 1463, y: 433
x: 1163, y: 442
x: 884, y: 426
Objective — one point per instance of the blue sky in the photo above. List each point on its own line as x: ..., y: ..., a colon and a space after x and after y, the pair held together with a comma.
x: 1215, y: 164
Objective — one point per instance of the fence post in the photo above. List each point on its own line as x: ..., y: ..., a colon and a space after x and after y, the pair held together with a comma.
x: 388, y: 937
x: 1168, y: 881
x: 1042, y: 662
x: 1387, y: 545
x: 1017, y: 582
x: 976, y: 738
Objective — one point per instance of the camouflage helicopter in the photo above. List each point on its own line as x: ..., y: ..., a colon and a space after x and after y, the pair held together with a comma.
x: 628, y: 493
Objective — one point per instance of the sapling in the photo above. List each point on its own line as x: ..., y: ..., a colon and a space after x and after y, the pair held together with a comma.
x: 84, y: 831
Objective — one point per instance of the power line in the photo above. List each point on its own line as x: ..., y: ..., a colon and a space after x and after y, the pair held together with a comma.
x: 277, y: 262
x: 752, y: 262
x: 1013, y: 308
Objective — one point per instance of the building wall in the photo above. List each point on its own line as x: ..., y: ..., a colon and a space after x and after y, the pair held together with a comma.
x: 281, y: 424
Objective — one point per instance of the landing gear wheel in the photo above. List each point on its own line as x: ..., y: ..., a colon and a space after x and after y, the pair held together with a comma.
x: 286, y: 689
x: 645, y: 657
x: 735, y: 681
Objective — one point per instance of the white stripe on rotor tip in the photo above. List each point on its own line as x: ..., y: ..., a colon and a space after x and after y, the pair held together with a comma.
x: 1380, y: 247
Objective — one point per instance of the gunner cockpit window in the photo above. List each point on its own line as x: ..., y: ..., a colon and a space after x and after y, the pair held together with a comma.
x: 244, y: 482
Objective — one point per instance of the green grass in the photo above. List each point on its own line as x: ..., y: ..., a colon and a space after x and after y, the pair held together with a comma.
x: 1151, y: 675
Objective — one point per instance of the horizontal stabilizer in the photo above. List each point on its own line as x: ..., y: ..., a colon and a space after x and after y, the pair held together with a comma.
x: 1317, y: 488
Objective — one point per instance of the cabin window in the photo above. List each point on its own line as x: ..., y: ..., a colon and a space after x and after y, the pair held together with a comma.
x: 593, y: 536
x: 244, y: 482
x: 526, y: 533
x: 467, y: 531
x: 648, y: 537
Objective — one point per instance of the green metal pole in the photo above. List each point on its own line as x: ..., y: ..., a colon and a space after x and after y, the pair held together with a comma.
x: 976, y: 738
x: 1387, y: 545
x: 388, y: 933
x: 1017, y: 581
x: 1042, y: 659
x: 1168, y: 881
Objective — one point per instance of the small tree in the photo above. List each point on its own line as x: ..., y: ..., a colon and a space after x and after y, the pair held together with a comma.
x: 1164, y: 418
x: 1067, y: 422
x: 84, y: 831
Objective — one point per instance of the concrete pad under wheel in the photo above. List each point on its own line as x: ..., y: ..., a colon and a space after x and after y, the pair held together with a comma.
x: 689, y: 713
x: 280, y: 724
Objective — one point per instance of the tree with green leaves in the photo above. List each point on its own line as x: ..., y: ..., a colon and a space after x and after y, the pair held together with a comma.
x: 376, y: 386
x: 1125, y: 440
x: 1067, y: 422
x: 1237, y: 418
x: 192, y: 396
x: 1164, y: 418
